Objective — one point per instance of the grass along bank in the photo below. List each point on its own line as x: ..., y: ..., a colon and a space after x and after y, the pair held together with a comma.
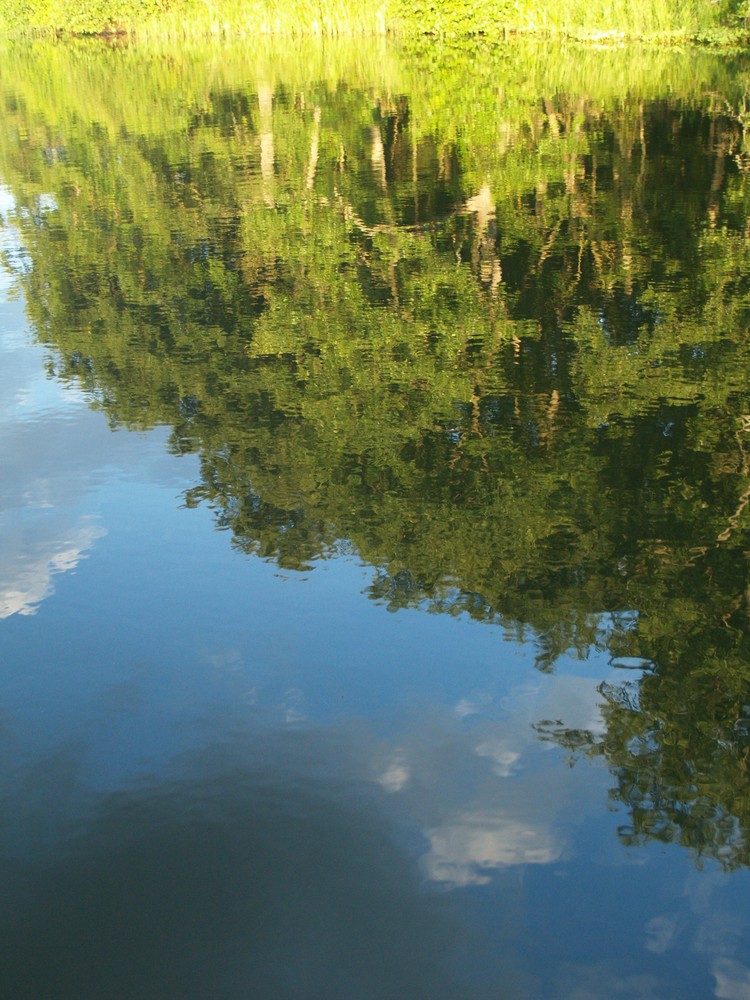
x: 664, y: 21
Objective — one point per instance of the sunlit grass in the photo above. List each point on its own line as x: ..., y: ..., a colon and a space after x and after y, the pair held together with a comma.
x: 234, y: 17
x: 598, y: 20
x: 720, y: 21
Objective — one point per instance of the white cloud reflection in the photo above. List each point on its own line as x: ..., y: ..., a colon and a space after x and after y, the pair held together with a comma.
x: 486, y: 793
x: 396, y: 775
x: 732, y: 979
x: 465, y: 852
x: 661, y: 933
x: 32, y: 555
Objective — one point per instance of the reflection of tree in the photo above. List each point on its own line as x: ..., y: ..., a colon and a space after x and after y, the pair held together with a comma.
x: 678, y: 745
x: 515, y: 382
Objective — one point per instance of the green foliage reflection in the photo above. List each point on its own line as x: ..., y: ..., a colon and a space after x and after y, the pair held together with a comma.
x: 491, y: 337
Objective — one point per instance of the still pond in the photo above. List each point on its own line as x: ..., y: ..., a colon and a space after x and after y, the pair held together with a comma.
x: 374, y: 523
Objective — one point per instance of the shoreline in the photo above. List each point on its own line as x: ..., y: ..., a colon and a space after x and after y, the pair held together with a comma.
x: 733, y: 42
x: 488, y: 22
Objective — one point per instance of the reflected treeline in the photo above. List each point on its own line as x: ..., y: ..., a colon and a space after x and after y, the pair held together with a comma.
x: 503, y: 355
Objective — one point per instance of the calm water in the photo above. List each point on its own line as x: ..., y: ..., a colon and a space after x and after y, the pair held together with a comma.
x: 374, y: 595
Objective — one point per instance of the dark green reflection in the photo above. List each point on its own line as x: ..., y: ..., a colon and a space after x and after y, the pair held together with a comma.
x: 492, y: 334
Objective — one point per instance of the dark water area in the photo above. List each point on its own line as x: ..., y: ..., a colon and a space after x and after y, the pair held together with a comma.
x: 374, y: 508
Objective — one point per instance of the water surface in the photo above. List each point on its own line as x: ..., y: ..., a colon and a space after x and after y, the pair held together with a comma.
x: 375, y: 436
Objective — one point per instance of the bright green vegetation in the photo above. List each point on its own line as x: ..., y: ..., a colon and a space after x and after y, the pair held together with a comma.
x: 490, y: 335
x: 664, y: 20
